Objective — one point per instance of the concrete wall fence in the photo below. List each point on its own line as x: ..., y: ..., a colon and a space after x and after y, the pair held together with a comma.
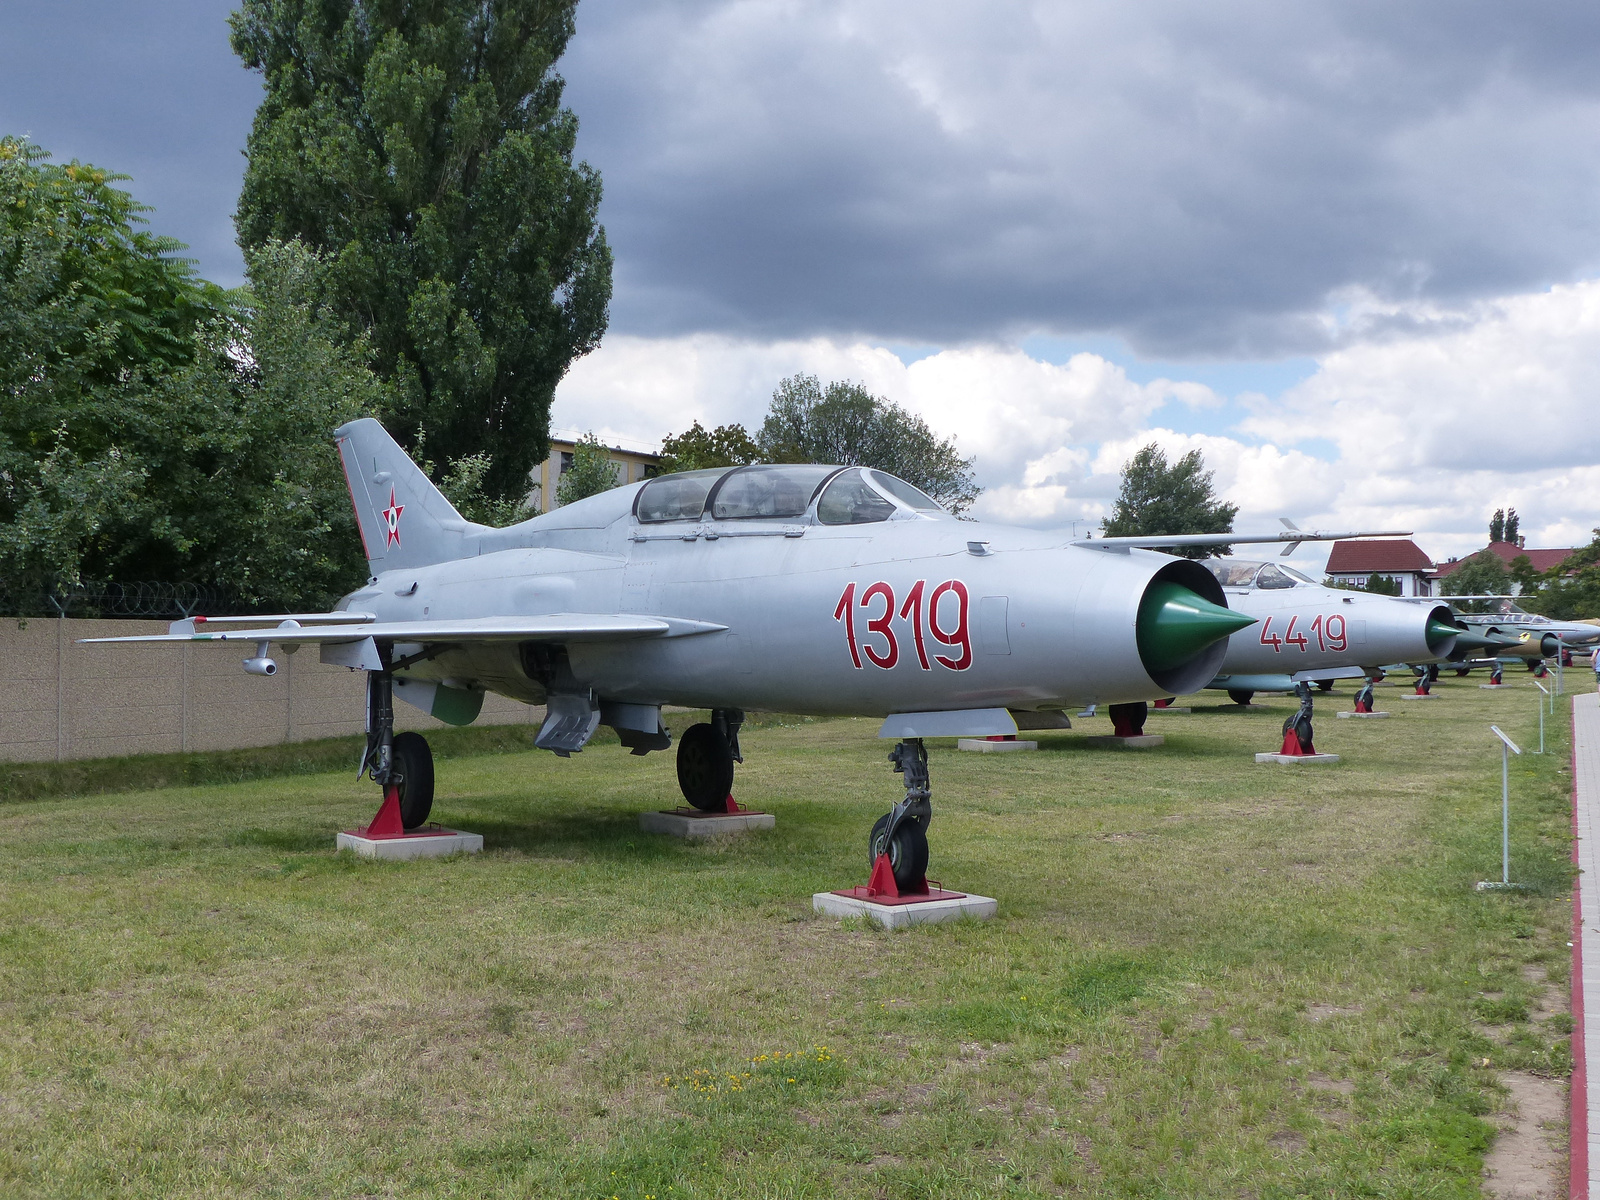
x: 60, y: 700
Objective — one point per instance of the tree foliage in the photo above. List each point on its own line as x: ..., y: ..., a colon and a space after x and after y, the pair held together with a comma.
x: 424, y: 150
x: 1158, y: 497
x: 1497, y: 526
x: 153, y: 427
x: 846, y: 424
x: 1513, y: 527
x: 591, y: 472
x: 1481, y: 575
x: 1382, y: 585
x: 697, y: 449
x: 1570, y: 591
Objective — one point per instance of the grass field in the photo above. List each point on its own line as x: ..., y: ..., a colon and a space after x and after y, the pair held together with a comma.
x: 1207, y: 978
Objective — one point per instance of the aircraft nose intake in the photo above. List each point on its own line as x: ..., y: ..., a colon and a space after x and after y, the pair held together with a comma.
x: 1437, y: 631
x: 1175, y: 624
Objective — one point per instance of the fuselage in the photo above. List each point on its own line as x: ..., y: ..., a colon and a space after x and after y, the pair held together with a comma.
x: 915, y: 612
x: 1302, y: 626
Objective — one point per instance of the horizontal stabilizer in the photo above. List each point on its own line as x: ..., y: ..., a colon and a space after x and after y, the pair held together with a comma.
x: 555, y: 627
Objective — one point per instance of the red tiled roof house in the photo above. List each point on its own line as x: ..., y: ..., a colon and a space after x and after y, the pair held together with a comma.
x: 1398, y: 558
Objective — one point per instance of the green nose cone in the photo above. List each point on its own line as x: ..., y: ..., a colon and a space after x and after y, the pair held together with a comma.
x: 1437, y: 631
x: 1175, y: 624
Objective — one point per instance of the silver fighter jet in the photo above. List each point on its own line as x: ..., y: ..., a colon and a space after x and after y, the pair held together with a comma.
x: 797, y: 588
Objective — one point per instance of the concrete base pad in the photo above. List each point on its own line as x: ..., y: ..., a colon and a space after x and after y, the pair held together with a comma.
x: 898, y: 916
x: 691, y: 825
x: 985, y: 746
x: 1297, y: 758
x: 1143, y: 742
x: 1371, y: 716
x: 427, y: 843
x: 1492, y: 687
x: 1414, y: 696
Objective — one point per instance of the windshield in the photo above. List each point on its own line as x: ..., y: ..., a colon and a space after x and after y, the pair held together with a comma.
x: 904, y: 492
x: 1234, y: 572
x: 849, y: 500
x: 676, y: 497
x: 768, y: 491
x: 1300, y: 575
x: 1272, y: 577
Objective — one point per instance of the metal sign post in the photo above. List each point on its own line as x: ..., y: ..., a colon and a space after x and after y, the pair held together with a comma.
x: 1507, y: 749
x: 1542, y: 699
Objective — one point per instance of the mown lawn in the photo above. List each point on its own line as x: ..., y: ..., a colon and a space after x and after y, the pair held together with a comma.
x: 1207, y: 978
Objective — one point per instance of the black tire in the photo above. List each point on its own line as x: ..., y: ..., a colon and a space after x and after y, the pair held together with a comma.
x: 705, y: 768
x: 1324, y: 685
x: 1239, y: 696
x: 1462, y: 672
x: 413, y: 760
x: 908, y: 853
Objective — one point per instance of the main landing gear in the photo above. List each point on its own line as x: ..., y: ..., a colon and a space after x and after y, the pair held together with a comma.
x: 1297, y: 729
x: 706, y: 754
x: 401, y: 764
x: 1127, y: 720
x: 898, y: 846
x: 1240, y: 697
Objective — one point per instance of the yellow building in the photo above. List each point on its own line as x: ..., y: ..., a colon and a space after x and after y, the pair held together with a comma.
x: 630, y: 465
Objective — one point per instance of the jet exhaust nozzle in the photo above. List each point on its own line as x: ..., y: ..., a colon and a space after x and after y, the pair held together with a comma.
x: 1176, y: 624
x: 260, y: 666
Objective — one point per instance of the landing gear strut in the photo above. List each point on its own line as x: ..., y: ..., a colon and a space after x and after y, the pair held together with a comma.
x: 1364, y: 697
x: 402, y: 765
x: 898, y: 846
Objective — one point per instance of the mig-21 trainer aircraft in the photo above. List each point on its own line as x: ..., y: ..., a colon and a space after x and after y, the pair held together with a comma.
x: 797, y: 588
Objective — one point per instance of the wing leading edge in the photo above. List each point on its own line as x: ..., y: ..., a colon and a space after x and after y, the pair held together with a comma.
x: 555, y: 627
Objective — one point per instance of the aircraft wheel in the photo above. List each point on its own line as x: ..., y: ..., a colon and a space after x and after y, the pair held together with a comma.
x: 1239, y: 696
x: 1324, y: 685
x: 1461, y: 672
x: 908, y: 852
x: 414, y: 761
x: 705, y: 767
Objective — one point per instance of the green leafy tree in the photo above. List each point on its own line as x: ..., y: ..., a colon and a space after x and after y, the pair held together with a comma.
x: 1481, y: 575
x: 1497, y: 526
x: 1158, y: 497
x: 1382, y: 585
x: 591, y: 472
x: 846, y: 424
x: 153, y: 427
x: 1570, y: 590
x: 698, y: 449
x: 425, y: 151
x: 1513, y: 527
x: 1523, y: 574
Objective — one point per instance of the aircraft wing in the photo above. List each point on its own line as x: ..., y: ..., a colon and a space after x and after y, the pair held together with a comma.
x: 1292, y: 536
x: 555, y: 627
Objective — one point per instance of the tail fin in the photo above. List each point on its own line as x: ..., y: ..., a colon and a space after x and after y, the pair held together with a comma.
x: 405, y: 521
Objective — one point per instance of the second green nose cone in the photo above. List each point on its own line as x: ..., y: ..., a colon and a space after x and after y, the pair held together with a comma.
x: 1175, y: 624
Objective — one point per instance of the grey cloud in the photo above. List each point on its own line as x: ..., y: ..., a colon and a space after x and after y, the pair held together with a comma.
x: 1198, y: 179
x: 149, y: 89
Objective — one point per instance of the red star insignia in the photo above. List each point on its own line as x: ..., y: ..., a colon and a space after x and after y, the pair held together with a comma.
x: 391, y: 518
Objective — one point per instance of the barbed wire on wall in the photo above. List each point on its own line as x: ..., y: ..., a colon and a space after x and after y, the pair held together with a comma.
x: 148, y: 600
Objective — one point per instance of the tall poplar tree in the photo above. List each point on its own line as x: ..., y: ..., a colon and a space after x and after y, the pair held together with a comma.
x: 421, y: 147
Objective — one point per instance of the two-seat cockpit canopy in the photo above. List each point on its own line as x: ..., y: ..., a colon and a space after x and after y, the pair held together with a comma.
x: 1243, y: 573
x: 781, y: 492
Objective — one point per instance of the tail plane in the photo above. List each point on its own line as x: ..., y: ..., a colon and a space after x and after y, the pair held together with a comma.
x: 405, y: 521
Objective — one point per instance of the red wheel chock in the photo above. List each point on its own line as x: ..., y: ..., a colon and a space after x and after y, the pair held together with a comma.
x: 1292, y: 747
x: 881, y: 884
x: 1362, y: 705
x: 387, y: 823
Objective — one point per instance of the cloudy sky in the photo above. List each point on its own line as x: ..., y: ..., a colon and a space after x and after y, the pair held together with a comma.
x: 1351, y: 251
